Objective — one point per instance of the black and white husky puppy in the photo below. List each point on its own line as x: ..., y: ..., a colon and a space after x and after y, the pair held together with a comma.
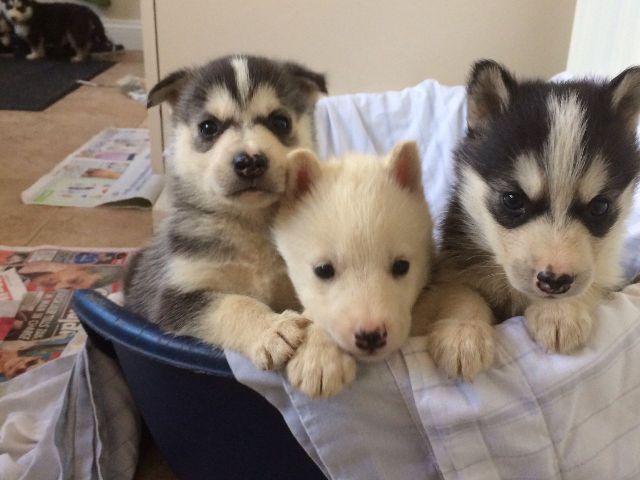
x: 212, y: 271
x: 57, y: 24
x: 546, y: 175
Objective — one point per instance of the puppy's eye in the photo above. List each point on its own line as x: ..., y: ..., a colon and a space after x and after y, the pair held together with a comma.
x: 324, y: 271
x: 280, y: 123
x: 208, y: 129
x: 513, y: 201
x: 598, y: 206
x: 400, y: 268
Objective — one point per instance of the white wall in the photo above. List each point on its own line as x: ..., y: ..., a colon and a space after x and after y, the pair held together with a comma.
x: 606, y: 37
x: 122, y: 22
x: 123, y: 10
x: 369, y: 45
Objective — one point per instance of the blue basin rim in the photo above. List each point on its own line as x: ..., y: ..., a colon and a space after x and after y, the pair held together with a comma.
x: 129, y: 330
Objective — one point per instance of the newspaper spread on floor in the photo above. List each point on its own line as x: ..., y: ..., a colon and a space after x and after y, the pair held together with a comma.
x: 112, y: 169
x: 36, y: 285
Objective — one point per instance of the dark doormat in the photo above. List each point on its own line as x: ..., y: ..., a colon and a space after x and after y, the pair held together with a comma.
x: 33, y: 85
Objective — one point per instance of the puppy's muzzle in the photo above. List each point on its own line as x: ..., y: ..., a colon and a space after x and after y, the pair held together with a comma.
x: 550, y: 283
x: 250, y: 166
x: 370, y: 341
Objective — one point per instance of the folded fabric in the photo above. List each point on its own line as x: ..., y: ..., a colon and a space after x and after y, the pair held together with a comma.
x: 533, y: 416
x: 70, y: 418
x: 538, y: 415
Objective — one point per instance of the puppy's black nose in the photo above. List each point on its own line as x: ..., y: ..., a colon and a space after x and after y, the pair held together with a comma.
x: 548, y: 282
x: 372, y: 340
x: 250, y: 166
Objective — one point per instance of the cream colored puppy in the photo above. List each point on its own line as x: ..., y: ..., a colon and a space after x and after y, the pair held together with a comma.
x: 355, y: 234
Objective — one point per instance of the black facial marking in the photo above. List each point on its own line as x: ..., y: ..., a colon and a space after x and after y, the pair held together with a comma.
x: 295, y: 86
x: 598, y: 206
x: 189, y: 108
x: 522, y: 129
x: 511, y: 208
x: 594, y: 217
x: 208, y: 131
x: 280, y: 124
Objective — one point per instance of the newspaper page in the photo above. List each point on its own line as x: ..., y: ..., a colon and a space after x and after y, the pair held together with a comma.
x: 112, y: 169
x: 37, y: 323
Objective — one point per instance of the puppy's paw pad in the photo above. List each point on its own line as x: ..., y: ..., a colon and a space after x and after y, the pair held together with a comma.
x: 558, y: 328
x: 281, y: 341
x: 461, y: 348
x: 321, y: 369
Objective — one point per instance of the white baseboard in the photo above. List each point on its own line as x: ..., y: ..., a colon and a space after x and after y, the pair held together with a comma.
x: 125, y: 32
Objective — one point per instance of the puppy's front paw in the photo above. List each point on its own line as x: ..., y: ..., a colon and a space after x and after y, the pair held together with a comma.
x: 280, y: 341
x: 461, y: 348
x: 320, y: 368
x: 559, y: 327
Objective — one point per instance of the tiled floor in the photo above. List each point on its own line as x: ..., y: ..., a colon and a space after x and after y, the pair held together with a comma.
x: 31, y: 143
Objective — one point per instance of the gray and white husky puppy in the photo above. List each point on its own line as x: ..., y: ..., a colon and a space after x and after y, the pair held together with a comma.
x: 212, y: 272
x: 546, y: 175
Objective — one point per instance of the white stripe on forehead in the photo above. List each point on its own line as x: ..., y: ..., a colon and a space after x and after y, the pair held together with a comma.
x: 563, y: 155
x: 243, y: 80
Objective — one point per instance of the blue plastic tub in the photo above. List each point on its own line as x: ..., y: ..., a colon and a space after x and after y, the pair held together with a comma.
x: 205, y: 423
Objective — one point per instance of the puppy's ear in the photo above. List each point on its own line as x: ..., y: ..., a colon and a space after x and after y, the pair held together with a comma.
x: 405, y: 168
x: 489, y: 92
x: 625, y: 96
x: 168, y: 89
x: 312, y: 83
x: 303, y: 171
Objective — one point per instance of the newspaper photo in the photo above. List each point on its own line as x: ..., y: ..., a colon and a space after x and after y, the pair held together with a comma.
x: 112, y: 169
x: 36, y: 285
